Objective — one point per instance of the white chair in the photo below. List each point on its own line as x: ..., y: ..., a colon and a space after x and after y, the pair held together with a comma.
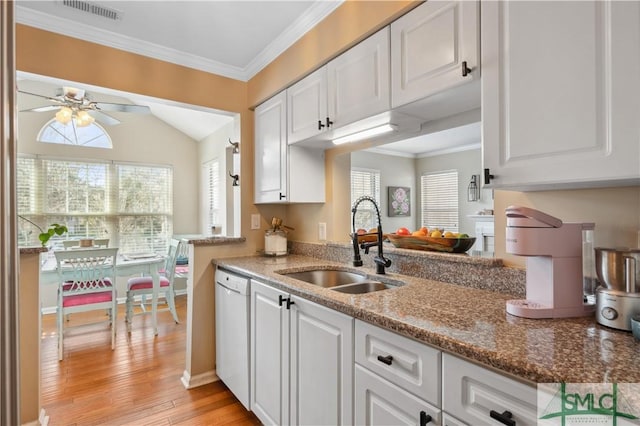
x: 101, y: 242
x: 85, y: 284
x: 70, y: 243
x: 143, y: 287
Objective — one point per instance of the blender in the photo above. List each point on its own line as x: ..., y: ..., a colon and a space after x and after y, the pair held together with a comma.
x: 618, y: 296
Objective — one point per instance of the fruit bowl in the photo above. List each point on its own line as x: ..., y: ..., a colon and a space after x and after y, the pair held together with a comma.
x: 447, y: 245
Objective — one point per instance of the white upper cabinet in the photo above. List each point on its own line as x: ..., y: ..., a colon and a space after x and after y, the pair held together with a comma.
x: 352, y: 87
x: 271, y: 150
x: 307, y: 112
x: 561, y: 94
x: 283, y: 173
x: 358, y: 81
x: 434, y: 47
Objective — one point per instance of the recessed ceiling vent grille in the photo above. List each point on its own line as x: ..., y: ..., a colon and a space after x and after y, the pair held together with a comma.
x: 94, y: 9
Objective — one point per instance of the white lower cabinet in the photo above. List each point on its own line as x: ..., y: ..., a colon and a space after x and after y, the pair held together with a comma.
x: 397, y: 379
x: 380, y: 402
x: 479, y: 396
x: 302, y: 360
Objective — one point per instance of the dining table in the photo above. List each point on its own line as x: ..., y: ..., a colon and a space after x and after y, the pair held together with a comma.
x: 127, y: 265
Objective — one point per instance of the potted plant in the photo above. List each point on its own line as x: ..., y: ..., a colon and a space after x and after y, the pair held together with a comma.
x: 44, y: 236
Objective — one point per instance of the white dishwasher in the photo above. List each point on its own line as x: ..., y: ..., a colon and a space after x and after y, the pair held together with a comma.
x: 232, y: 332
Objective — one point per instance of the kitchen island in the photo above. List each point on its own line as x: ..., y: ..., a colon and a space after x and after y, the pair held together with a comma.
x: 468, y: 322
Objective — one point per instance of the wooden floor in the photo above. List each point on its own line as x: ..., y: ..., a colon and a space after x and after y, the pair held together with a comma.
x: 136, y: 384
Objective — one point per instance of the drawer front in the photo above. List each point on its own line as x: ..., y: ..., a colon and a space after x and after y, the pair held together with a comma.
x: 471, y: 392
x: 449, y: 420
x: 379, y: 402
x: 404, y: 362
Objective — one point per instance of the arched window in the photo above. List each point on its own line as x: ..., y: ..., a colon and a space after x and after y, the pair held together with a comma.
x: 92, y: 135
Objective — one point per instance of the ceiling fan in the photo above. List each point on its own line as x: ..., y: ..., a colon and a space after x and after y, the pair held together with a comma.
x: 76, y: 104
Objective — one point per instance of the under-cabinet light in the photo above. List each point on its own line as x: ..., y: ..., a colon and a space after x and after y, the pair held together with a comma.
x: 374, y: 131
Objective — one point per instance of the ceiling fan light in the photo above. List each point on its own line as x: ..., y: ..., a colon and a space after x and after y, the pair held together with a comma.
x: 64, y: 115
x: 83, y: 119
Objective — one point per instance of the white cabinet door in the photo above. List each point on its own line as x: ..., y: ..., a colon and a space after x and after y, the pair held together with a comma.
x: 271, y: 150
x: 475, y: 395
x: 359, y: 80
x: 561, y: 93
x: 428, y: 47
x: 378, y: 402
x: 321, y: 365
x: 283, y: 173
x: 307, y: 107
x: 269, y: 354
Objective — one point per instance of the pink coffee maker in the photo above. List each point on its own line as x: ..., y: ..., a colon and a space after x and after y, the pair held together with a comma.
x: 554, y: 264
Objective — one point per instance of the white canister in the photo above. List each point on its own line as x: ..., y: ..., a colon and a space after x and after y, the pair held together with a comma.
x: 275, y: 242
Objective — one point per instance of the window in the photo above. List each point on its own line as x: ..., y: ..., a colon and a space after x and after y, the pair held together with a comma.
x: 130, y: 204
x: 365, y: 182
x: 92, y: 135
x: 212, y: 183
x: 440, y: 200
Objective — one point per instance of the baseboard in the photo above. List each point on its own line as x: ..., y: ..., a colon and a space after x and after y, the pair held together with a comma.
x: 190, y: 382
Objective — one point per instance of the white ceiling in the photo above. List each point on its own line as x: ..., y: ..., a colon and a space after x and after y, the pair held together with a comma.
x: 235, y: 39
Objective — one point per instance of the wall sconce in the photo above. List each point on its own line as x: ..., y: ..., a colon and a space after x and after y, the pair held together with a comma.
x: 473, y: 190
x: 236, y: 146
x: 235, y: 179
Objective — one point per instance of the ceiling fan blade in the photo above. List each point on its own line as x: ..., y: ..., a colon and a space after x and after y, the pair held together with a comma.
x: 42, y: 108
x: 103, y: 118
x: 49, y: 98
x: 106, y: 106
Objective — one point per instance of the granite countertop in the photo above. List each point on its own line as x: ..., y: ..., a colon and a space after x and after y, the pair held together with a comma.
x: 209, y: 240
x: 468, y: 322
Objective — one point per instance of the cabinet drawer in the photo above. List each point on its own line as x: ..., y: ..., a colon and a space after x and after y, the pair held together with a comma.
x: 378, y: 402
x: 404, y: 362
x: 471, y: 392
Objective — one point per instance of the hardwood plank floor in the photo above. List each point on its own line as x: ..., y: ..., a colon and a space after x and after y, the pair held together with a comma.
x: 138, y: 383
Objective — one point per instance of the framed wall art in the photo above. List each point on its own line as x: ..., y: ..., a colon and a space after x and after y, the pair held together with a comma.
x: 399, y: 203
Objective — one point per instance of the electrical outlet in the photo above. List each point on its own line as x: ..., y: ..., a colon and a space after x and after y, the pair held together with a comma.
x: 255, y: 221
x: 322, y: 231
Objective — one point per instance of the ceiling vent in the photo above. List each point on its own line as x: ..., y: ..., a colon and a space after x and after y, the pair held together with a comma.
x: 94, y: 9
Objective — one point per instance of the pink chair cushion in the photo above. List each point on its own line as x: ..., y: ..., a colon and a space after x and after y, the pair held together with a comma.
x: 141, y: 283
x: 182, y: 269
x: 87, y: 298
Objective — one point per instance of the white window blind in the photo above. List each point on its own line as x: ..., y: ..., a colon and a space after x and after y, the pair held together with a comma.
x: 212, y: 182
x: 365, y: 182
x: 439, y: 196
x: 129, y: 204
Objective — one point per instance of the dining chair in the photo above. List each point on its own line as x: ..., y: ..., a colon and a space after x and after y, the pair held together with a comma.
x: 143, y: 287
x: 70, y: 243
x: 86, y: 282
x: 101, y: 242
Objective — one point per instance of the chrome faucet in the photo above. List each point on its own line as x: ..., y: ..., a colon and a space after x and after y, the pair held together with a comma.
x: 379, y: 260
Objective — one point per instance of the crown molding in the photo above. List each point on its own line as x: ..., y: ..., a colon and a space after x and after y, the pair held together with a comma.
x: 74, y: 29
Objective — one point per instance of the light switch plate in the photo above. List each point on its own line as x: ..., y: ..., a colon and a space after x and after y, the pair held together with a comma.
x: 255, y: 221
x: 322, y: 231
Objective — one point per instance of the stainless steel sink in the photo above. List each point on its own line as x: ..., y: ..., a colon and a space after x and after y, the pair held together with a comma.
x: 328, y: 277
x: 365, y: 287
x: 342, y: 281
